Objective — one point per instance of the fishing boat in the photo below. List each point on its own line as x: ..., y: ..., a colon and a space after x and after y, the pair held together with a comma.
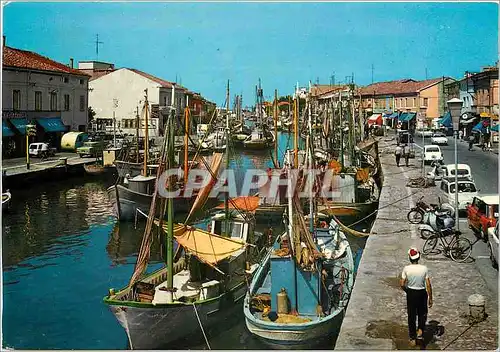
x: 205, y: 277
x: 317, y: 297
x: 6, y: 198
x: 260, y: 138
x: 301, y: 289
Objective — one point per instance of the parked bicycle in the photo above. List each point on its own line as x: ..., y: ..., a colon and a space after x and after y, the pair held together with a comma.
x: 457, y: 248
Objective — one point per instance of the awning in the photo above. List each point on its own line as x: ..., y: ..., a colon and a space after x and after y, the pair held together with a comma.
x: 20, y: 125
x: 392, y: 116
x: 375, y: 119
x: 6, y: 131
x: 495, y: 128
x: 52, y: 124
x: 411, y: 116
x: 479, y: 127
x: 446, y: 120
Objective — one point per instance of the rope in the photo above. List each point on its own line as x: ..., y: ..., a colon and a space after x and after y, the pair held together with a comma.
x: 463, y: 332
x: 201, y: 326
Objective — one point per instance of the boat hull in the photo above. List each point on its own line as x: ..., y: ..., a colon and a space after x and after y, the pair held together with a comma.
x: 297, y: 337
x: 167, y: 325
x: 126, y: 203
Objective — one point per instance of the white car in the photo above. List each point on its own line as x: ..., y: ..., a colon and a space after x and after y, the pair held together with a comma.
x: 466, y: 191
x: 439, y: 138
x: 463, y: 171
x: 493, y: 244
x: 432, y: 153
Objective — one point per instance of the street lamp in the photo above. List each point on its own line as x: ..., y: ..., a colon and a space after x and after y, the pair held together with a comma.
x: 455, y: 107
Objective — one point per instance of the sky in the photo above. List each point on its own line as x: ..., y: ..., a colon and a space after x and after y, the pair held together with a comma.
x: 201, y: 45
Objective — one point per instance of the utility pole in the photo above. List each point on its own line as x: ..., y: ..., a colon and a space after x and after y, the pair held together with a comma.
x: 137, y: 131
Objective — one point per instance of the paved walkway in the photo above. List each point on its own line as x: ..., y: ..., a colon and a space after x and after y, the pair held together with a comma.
x: 376, y: 317
x: 20, y: 166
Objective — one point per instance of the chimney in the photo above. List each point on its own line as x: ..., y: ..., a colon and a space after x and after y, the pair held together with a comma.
x: 70, y: 62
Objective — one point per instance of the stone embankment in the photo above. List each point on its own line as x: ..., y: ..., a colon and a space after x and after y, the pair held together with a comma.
x: 376, y: 316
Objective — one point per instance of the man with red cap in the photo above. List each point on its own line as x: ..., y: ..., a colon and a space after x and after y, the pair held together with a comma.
x: 416, y: 283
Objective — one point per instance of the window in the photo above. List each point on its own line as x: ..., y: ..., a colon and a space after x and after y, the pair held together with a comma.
x: 38, y: 101
x: 16, y: 99
x: 82, y: 103
x: 53, y: 101
x: 66, y: 102
x: 406, y: 103
x: 414, y: 102
x: 426, y: 101
x: 165, y: 101
x: 463, y: 188
x: 66, y: 79
x: 400, y: 102
x: 81, y: 81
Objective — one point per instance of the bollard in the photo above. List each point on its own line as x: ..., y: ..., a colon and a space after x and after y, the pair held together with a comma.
x: 477, y: 309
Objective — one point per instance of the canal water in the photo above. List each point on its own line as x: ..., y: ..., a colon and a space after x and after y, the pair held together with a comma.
x: 62, y: 249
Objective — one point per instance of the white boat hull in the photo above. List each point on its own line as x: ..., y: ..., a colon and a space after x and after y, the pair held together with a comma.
x: 161, y: 326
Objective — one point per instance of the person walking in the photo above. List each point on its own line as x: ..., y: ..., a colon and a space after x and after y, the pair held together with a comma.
x: 416, y: 283
x: 406, y: 153
x: 460, y: 134
x: 471, y: 141
x: 398, y: 153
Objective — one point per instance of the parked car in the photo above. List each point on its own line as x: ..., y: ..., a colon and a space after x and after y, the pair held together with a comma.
x: 482, y: 214
x: 464, y: 170
x: 439, y: 138
x: 432, y: 153
x: 93, y: 149
x: 466, y: 191
x: 41, y: 150
x: 493, y: 244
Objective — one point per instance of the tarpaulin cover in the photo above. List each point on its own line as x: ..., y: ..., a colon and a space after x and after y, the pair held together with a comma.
x: 375, y: 119
x: 249, y: 204
x: 479, y: 127
x: 205, y: 246
x: 446, y: 120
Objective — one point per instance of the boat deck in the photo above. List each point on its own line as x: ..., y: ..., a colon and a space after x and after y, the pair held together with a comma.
x: 185, y: 288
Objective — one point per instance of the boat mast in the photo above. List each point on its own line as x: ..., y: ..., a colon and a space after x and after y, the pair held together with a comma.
x: 310, y: 147
x: 296, y: 130
x: 341, y: 131
x: 226, y: 194
x: 146, y: 137
x: 138, y: 121
x: 170, y: 209
x: 186, y: 140
x: 276, y: 164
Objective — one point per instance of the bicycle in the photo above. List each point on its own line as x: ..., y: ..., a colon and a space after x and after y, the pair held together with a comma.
x: 457, y: 248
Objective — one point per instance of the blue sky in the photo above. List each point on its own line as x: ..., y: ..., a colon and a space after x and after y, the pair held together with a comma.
x: 205, y: 44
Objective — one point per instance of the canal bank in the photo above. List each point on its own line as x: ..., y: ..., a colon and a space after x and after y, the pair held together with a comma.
x: 376, y: 316
x: 18, y: 176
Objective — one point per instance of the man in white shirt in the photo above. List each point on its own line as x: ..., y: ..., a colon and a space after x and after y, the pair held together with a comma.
x: 416, y: 283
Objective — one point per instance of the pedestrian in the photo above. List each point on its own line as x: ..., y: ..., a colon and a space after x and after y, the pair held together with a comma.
x: 460, y: 134
x: 398, y: 153
x: 416, y: 283
x: 471, y: 141
x: 406, y: 153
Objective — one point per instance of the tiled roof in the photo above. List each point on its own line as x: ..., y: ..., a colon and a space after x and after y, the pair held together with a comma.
x: 320, y: 89
x: 95, y: 74
x: 162, y: 82
x: 29, y: 60
x: 402, y: 86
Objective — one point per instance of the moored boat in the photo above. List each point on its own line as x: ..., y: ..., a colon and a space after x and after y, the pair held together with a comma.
x: 6, y: 198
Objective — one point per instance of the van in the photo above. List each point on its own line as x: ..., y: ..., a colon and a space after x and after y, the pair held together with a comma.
x: 466, y: 191
x: 463, y: 171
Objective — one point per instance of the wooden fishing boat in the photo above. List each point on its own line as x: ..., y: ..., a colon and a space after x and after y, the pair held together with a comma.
x: 320, y: 299
x: 6, y: 198
x: 96, y: 169
x: 204, y: 278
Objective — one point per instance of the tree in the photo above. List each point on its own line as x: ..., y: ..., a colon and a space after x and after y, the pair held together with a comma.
x: 91, y: 114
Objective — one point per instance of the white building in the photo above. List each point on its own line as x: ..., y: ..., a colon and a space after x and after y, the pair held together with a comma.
x: 120, y: 94
x: 39, y: 90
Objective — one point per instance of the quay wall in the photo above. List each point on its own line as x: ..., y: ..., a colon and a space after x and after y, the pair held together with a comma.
x: 376, y: 316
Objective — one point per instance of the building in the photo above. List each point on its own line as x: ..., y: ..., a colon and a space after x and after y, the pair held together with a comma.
x: 408, y: 99
x: 117, y: 95
x: 40, y: 91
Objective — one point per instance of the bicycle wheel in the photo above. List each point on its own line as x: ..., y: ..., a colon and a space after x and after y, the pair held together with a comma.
x: 415, y: 216
x: 429, y: 244
x: 425, y: 234
x: 460, y: 250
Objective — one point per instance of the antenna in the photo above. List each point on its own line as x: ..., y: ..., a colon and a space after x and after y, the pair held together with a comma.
x: 97, y: 42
